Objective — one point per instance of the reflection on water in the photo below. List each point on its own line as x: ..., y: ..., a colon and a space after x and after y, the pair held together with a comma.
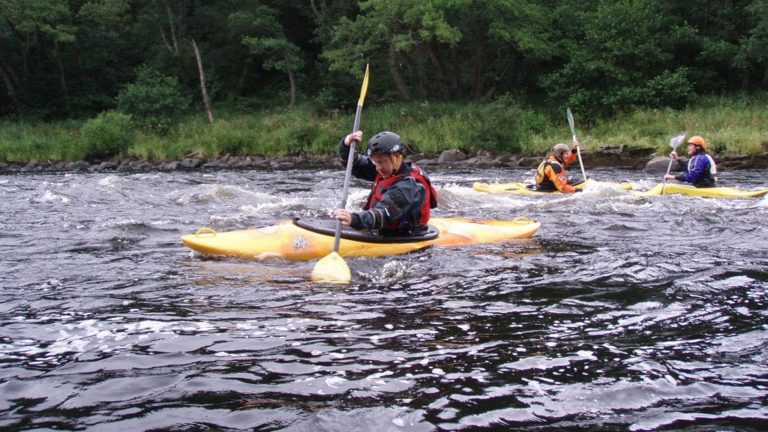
x: 623, y: 313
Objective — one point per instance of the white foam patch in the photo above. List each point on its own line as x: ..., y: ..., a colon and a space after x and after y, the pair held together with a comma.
x: 120, y: 223
x: 110, y: 181
x: 50, y: 197
x: 754, y: 340
x: 544, y: 363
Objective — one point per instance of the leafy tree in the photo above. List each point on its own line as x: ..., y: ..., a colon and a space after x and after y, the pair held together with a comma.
x: 445, y: 48
x: 33, y: 34
x: 264, y: 35
x: 153, y: 99
x: 622, y: 59
x: 753, y: 48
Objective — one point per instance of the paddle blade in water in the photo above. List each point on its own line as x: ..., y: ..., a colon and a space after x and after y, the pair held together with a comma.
x: 331, y: 269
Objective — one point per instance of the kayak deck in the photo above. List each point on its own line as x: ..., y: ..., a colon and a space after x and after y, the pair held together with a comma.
x: 711, y: 192
x: 288, y: 240
x: 519, y: 188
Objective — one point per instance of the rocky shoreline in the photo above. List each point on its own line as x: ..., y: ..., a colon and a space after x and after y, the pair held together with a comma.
x: 606, y: 157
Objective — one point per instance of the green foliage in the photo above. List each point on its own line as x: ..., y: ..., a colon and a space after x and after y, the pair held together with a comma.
x: 623, y: 60
x: 153, y: 100
x: 109, y: 134
x: 62, y: 58
x: 733, y: 125
x: 23, y: 142
x: 503, y: 126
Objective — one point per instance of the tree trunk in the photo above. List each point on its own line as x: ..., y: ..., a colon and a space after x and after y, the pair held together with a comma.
x: 416, y: 70
x: 62, y: 77
x: 479, y: 67
x: 291, y: 79
x: 456, y: 81
x: 9, y: 89
x: 206, y: 100
x: 439, y: 72
x: 241, y: 80
x: 173, y: 46
x: 399, y: 84
x: 12, y: 76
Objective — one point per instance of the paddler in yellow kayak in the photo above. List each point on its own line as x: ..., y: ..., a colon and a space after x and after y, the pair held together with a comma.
x: 402, y: 195
x: 700, y: 170
x: 551, y: 174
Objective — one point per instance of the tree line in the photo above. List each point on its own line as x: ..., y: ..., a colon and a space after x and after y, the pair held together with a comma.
x: 148, y: 58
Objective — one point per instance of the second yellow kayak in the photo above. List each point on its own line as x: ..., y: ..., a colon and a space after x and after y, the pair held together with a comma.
x: 526, y: 189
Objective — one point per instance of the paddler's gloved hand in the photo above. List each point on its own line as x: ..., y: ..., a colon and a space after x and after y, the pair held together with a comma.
x: 356, y: 136
x: 579, y: 190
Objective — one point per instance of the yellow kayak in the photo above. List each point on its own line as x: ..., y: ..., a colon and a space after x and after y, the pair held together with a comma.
x: 526, y: 189
x: 301, y: 239
x: 712, y: 192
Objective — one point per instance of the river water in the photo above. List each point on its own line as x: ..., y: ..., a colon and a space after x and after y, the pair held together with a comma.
x: 622, y: 313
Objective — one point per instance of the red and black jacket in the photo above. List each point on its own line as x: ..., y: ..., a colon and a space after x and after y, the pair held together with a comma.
x: 398, y: 204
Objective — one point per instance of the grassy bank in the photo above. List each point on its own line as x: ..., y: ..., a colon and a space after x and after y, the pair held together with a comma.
x: 732, y: 125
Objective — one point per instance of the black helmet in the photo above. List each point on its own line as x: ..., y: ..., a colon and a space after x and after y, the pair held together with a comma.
x: 385, y: 143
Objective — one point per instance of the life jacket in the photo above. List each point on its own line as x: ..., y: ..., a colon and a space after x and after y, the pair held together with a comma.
x: 380, y: 186
x: 542, y: 181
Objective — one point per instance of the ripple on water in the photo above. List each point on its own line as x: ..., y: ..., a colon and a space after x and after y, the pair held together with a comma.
x: 623, y: 312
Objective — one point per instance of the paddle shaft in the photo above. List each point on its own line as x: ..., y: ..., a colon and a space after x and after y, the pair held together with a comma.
x: 674, y: 142
x: 347, y: 175
x: 578, y: 149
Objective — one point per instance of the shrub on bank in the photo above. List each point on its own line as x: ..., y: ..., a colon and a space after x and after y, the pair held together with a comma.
x: 154, y: 100
x: 108, y: 134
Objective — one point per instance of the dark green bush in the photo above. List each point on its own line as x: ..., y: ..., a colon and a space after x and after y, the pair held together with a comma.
x: 108, y: 134
x: 153, y: 100
x: 503, y: 126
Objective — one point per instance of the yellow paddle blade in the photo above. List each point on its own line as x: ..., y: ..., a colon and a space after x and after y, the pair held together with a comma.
x: 363, y: 89
x: 331, y: 269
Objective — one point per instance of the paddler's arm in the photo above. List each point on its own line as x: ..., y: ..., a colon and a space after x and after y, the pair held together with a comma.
x: 362, y: 166
x: 559, y: 179
x: 398, y: 203
x: 572, y: 155
x: 681, y: 163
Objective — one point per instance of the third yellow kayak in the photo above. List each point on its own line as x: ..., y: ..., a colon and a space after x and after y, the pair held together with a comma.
x: 711, y: 192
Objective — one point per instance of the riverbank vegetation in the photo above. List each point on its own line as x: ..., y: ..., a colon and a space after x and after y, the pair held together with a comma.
x: 158, y: 80
x: 732, y: 125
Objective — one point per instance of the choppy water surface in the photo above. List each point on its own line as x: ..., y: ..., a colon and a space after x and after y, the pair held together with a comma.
x: 622, y: 313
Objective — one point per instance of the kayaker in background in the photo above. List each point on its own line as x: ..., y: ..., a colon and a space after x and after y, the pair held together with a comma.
x: 700, y: 170
x: 551, y: 174
x: 402, y: 195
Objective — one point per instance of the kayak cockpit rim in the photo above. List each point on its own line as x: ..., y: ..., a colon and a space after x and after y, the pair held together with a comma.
x: 328, y: 227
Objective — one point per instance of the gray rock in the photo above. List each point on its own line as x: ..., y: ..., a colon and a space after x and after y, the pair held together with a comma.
x: 282, y: 164
x: 190, y: 162
x: 104, y: 166
x: 32, y: 165
x: 77, y: 166
x: 427, y: 162
x: 144, y: 166
x: 170, y: 166
x: 659, y: 164
x: 454, y: 155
